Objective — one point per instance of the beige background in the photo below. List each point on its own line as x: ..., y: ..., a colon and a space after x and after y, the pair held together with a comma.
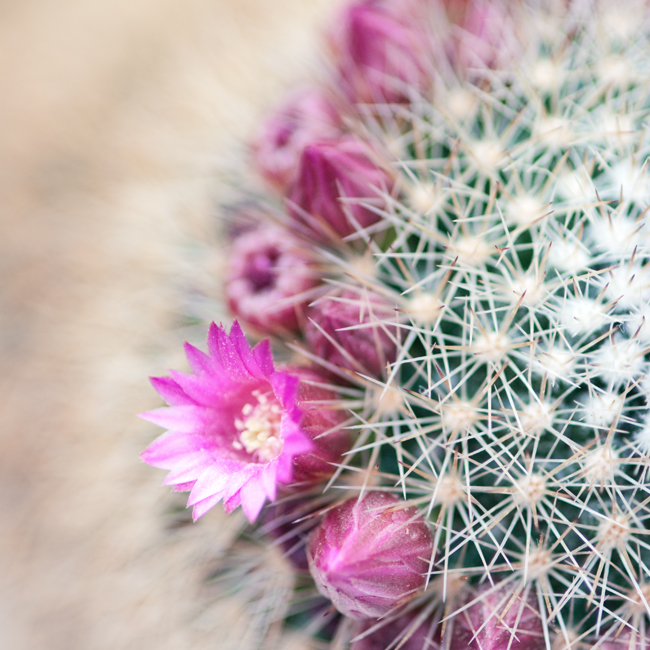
x: 117, y: 121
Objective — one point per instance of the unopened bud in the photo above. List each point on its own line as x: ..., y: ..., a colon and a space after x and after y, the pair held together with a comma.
x: 381, y: 56
x: 353, y: 330
x: 370, y: 555
x: 268, y: 275
x: 498, y: 619
x: 336, y: 185
x: 305, y: 117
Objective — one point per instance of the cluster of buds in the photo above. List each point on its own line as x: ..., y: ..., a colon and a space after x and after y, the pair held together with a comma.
x: 454, y: 260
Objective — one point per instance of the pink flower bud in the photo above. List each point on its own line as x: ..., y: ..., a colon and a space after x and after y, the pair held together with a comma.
x: 370, y: 555
x: 488, y: 38
x: 382, y: 58
x: 353, y: 330
x: 336, y: 182
x: 405, y: 631
x: 305, y: 117
x: 496, y: 619
x: 324, y: 423
x: 269, y: 279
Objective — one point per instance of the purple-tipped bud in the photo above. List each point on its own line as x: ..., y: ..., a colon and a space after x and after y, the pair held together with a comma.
x: 324, y: 423
x: 337, y: 183
x: 305, y: 117
x: 381, y: 57
x: 268, y: 278
x: 497, y: 619
x: 353, y: 330
x: 407, y: 631
x: 370, y: 555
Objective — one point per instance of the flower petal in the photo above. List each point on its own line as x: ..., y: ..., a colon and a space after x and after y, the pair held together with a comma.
x: 214, y: 480
x: 170, y: 391
x: 244, y: 350
x: 264, y: 357
x: 206, y: 393
x: 285, y: 387
x: 200, y: 362
x: 185, y: 419
x: 234, y: 502
x: 188, y: 468
x: 225, y: 353
x: 269, y: 480
x: 203, y: 506
x: 165, y: 451
x: 183, y: 487
x: 253, y: 498
x: 238, y: 480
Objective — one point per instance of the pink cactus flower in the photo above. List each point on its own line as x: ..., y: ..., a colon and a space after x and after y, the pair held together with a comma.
x: 496, y: 619
x: 269, y: 279
x: 306, y: 116
x: 381, y: 57
x: 235, y: 426
x: 370, y: 555
x: 353, y: 330
x: 337, y: 183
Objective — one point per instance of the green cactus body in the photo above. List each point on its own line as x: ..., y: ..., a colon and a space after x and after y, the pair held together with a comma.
x: 519, y: 261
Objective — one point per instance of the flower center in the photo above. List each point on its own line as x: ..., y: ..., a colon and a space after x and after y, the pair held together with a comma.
x: 259, y: 428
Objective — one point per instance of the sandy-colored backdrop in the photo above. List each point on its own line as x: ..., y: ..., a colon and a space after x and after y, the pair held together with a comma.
x: 115, y: 119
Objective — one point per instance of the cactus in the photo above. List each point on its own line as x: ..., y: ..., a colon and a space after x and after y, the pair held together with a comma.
x: 497, y: 205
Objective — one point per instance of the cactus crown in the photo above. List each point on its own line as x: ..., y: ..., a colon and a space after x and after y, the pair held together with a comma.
x: 513, y: 250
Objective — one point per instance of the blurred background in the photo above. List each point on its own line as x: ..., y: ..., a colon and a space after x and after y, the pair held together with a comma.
x: 120, y: 124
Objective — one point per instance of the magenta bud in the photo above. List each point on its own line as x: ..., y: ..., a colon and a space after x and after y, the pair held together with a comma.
x: 497, y: 619
x: 405, y: 631
x: 370, y: 555
x: 324, y: 423
x: 305, y: 117
x: 336, y: 186
x: 353, y: 330
x: 381, y: 57
x: 269, y: 279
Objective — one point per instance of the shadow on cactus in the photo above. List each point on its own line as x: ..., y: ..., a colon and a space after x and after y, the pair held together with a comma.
x: 479, y: 309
